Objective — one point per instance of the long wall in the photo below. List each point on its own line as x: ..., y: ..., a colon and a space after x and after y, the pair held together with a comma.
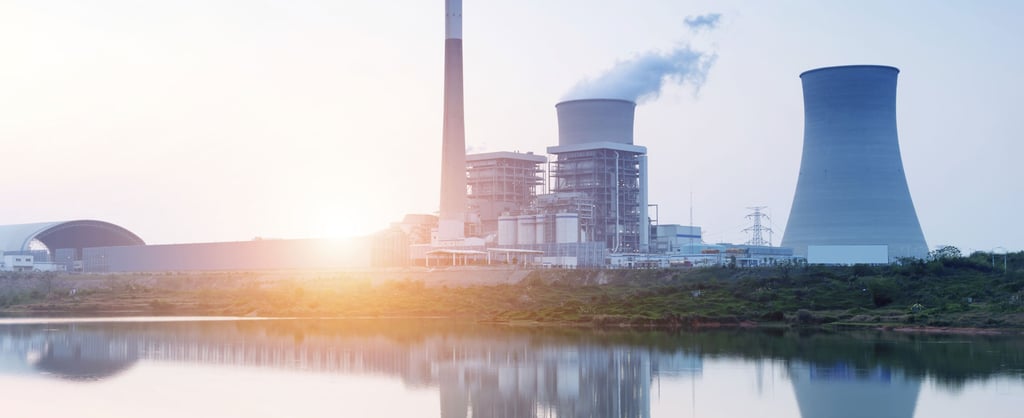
x: 300, y: 254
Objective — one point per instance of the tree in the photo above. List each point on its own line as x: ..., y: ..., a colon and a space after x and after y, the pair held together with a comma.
x: 945, y: 252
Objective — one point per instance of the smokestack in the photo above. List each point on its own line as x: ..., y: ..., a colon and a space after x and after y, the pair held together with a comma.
x: 451, y: 225
x: 851, y: 189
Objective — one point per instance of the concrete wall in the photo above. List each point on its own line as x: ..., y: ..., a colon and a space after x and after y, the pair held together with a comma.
x: 308, y: 254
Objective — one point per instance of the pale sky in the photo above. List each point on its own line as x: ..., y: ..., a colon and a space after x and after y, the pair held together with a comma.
x: 211, y: 120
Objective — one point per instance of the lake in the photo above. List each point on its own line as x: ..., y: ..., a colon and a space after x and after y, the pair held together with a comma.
x: 230, y: 367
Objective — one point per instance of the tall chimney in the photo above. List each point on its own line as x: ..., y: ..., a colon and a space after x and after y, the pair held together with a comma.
x: 451, y: 225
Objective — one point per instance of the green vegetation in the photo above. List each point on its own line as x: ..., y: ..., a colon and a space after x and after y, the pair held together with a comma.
x: 948, y: 291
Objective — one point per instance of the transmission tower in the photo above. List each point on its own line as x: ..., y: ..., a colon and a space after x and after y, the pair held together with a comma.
x: 758, y: 230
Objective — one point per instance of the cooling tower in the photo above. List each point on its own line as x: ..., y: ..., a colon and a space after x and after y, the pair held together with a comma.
x: 595, y: 120
x: 851, y: 190
x: 595, y: 156
x: 452, y: 219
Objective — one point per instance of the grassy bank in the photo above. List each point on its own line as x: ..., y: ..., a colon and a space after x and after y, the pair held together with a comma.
x: 952, y: 292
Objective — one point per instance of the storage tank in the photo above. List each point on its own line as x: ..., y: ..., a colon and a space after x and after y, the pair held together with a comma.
x: 567, y: 228
x: 539, y: 230
x: 506, y: 230
x: 525, y: 230
x: 595, y: 120
x: 851, y: 189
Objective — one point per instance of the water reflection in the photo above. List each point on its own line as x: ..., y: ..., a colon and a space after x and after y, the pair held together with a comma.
x: 842, y: 390
x: 502, y: 372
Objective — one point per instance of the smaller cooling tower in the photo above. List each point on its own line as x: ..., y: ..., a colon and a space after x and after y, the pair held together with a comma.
x: 595, y: 120
x: 851, y: 190
x: 596, y: 157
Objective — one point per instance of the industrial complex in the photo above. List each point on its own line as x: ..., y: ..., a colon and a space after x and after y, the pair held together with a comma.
x: 582, y: 204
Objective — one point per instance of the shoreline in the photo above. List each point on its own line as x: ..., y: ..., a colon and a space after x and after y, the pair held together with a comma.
x: 831, y: 299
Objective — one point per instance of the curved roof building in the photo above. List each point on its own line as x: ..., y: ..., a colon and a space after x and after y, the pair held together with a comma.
x: 63, y: 235
x: 852, y: 190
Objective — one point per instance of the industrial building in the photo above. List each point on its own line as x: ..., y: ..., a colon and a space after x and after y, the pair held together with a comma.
x: 91, y: 246
x: 58, y: 246
x: 852, y: 201
x: 501, y: 183
x: 595, y: 156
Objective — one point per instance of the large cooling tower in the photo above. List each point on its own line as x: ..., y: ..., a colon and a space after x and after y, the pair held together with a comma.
x: 595, y: 120
x: 452, y: 219
x: 851, y: 189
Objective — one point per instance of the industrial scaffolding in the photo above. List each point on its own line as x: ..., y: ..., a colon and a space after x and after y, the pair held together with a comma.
x: 612, y: 179
x: 500, y: 183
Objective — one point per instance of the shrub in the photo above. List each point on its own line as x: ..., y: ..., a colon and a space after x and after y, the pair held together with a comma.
x: 883, y: 291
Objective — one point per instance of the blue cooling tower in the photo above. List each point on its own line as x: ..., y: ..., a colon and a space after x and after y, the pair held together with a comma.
x: 852, y: 190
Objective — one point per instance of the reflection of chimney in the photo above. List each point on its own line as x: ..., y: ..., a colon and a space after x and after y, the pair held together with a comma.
x: 451, y: 225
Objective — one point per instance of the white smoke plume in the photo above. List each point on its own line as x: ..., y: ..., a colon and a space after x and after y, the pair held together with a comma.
x: 641, y: 78
x: 708, y: 21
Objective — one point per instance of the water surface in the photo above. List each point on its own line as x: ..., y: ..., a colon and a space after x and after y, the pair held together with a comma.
x: 227, y: 367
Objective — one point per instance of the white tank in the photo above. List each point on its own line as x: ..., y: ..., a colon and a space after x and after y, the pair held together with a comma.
x: 506, y: 230
x: 567, y: 228
x: 525, y: 230
x: 539, y: 238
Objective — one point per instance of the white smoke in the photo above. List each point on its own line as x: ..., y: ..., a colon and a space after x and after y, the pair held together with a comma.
x: 641, y: 78
x: 708, y: 21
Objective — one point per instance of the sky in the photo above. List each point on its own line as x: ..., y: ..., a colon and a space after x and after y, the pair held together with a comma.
x: 223, y: 120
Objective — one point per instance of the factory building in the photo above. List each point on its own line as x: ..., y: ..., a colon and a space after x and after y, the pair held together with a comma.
x: 501, y: 183
x: 91, y: 246
x: 852, y: 196
x: 595, y: 157
x: 676, y: 239
x: 58, y: 246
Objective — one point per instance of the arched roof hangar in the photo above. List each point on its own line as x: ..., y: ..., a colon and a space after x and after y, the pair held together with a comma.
x: 76, y: 234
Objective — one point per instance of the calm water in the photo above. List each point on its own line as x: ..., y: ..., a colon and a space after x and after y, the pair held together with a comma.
x: 386, y: 368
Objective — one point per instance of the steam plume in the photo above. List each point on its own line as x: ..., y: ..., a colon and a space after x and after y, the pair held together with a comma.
x: 708, y: 21
x: 641, y: 78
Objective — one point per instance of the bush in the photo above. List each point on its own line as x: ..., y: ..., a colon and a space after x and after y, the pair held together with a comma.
x: 883, y: 291
x: 861, y: 270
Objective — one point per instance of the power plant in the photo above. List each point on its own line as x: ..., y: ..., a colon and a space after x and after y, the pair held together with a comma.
x: 852, y: 201
x: 585, y: 204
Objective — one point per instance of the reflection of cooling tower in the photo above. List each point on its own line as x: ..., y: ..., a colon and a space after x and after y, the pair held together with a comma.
x: 852, y: 189
x: 840, y: 392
